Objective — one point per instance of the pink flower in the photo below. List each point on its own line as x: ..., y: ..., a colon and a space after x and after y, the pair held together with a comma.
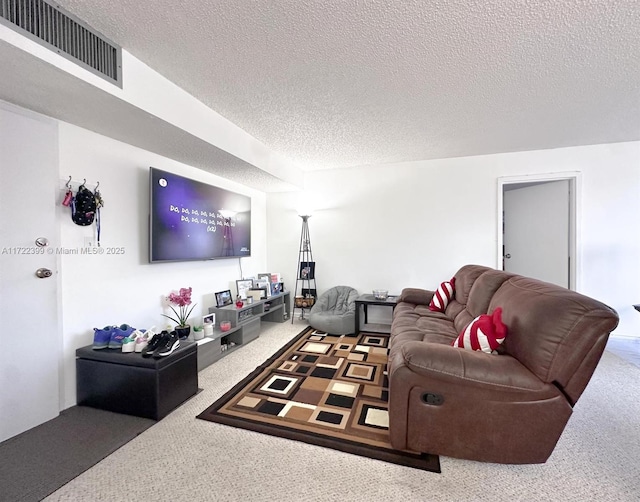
x: 182, y: 300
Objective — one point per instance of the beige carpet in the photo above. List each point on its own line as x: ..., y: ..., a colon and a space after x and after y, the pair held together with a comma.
x: 182, y: 458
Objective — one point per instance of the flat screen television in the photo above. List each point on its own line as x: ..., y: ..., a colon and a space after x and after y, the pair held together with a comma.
x: 191, y: 220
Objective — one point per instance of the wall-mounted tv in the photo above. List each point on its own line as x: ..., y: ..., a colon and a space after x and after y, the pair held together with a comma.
x: 191, y: 220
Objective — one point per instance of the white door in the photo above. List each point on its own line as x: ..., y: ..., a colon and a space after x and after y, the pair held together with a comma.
x: 536, y: 231
x: 30, y: 344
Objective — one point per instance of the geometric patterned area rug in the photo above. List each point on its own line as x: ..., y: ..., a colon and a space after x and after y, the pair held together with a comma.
x: 322, y: 389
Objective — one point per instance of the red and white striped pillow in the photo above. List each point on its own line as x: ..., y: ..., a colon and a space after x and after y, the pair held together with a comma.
x: 485, y: 333
x: 443, y: 296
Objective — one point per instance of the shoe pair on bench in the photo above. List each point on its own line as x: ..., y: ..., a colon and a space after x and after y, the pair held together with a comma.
x: 161, y: 345
x: 111, y: 336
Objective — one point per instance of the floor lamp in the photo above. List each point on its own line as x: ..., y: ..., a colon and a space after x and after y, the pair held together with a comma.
x: 305, y: 272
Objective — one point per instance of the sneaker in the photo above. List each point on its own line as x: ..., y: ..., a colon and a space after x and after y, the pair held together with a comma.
x: 169, y: 344
x: 101, y: 337
x: 129, y: 342
x: 118, y: 334
x: 154, y: 343
x: 143, y: 340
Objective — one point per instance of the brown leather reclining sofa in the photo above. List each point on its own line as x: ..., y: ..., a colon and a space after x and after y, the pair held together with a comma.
x: 509, y: 407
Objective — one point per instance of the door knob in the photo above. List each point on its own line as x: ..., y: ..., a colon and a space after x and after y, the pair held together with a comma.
x: 507, y: 256
x: 43, y: 273
x: 42, y: 242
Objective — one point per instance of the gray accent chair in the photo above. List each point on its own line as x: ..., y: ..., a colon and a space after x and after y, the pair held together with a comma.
x: 335, y: 311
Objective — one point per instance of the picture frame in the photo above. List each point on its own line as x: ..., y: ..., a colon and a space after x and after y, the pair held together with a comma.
x: 257, y: 293
x: 223, y: 298
x: 264, y: 284
x: 244, y: 285
x: 208, y: 324
x: 307, y: 270
x: 276, y: 288
x: 306, y: 292
x: 266, y: 276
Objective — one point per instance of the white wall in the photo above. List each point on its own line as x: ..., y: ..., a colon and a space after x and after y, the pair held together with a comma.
x: 100, y: 290
x: 415, y: 224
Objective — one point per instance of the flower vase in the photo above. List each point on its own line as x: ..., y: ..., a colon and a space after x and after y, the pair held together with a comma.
x: 183, y: 331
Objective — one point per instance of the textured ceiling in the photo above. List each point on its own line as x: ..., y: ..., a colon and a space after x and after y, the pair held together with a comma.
x: 338, y: 83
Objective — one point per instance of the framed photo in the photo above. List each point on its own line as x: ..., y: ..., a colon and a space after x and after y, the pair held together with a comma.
x: 223, y: 298
x: 307, y: 270
x: 243, y: 286
x: 276, y: 288
x: 264, y: 277
x: 264, y: 284
x: 208, y: 324
x: 257, y: 293
x: 309, y: 292
x: 209, y: 320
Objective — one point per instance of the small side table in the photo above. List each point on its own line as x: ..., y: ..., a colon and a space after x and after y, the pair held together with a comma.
x: 131, y: 384
x: 362, y: 303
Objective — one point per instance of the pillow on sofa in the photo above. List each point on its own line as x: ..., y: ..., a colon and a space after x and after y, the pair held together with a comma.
x: 443, y: 295
x: 485, y: 333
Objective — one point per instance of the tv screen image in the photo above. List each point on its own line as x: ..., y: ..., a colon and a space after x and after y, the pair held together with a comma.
x: 191, y: 220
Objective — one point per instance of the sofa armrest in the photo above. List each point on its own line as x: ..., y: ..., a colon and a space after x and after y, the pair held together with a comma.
x: 440, y: 362
x: 460, y: 403
x: 416, y: 296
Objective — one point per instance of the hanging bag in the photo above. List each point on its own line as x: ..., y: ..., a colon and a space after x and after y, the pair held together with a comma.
x: 83, y: 207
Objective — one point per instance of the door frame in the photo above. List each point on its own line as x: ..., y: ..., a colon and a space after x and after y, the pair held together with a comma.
x: 575, y: 198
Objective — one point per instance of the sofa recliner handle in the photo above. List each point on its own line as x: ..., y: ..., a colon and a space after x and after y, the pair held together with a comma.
x: 432, y: 399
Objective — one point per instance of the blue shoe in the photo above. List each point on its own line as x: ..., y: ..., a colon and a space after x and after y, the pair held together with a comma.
x: 102, y: 337
x: 118, y: 334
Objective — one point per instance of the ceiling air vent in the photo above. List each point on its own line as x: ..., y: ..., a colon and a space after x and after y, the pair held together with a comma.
x: 65, y: 34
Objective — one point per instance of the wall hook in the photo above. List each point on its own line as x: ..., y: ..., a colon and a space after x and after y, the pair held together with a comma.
x: 97, y: 185
x: 69, y: 183
x: 83, y: 183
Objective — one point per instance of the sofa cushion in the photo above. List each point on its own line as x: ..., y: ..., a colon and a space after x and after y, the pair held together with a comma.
x: 457, y: 308
x: 443, y: 296
x: 417, y: 296
x: 475, y: 296
x: 485, y: 333
x: 465, y: 278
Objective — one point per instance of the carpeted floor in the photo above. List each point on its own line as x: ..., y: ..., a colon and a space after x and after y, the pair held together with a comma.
x: 41, y: 460
x: 326, y: 390
x: 183, y: 459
